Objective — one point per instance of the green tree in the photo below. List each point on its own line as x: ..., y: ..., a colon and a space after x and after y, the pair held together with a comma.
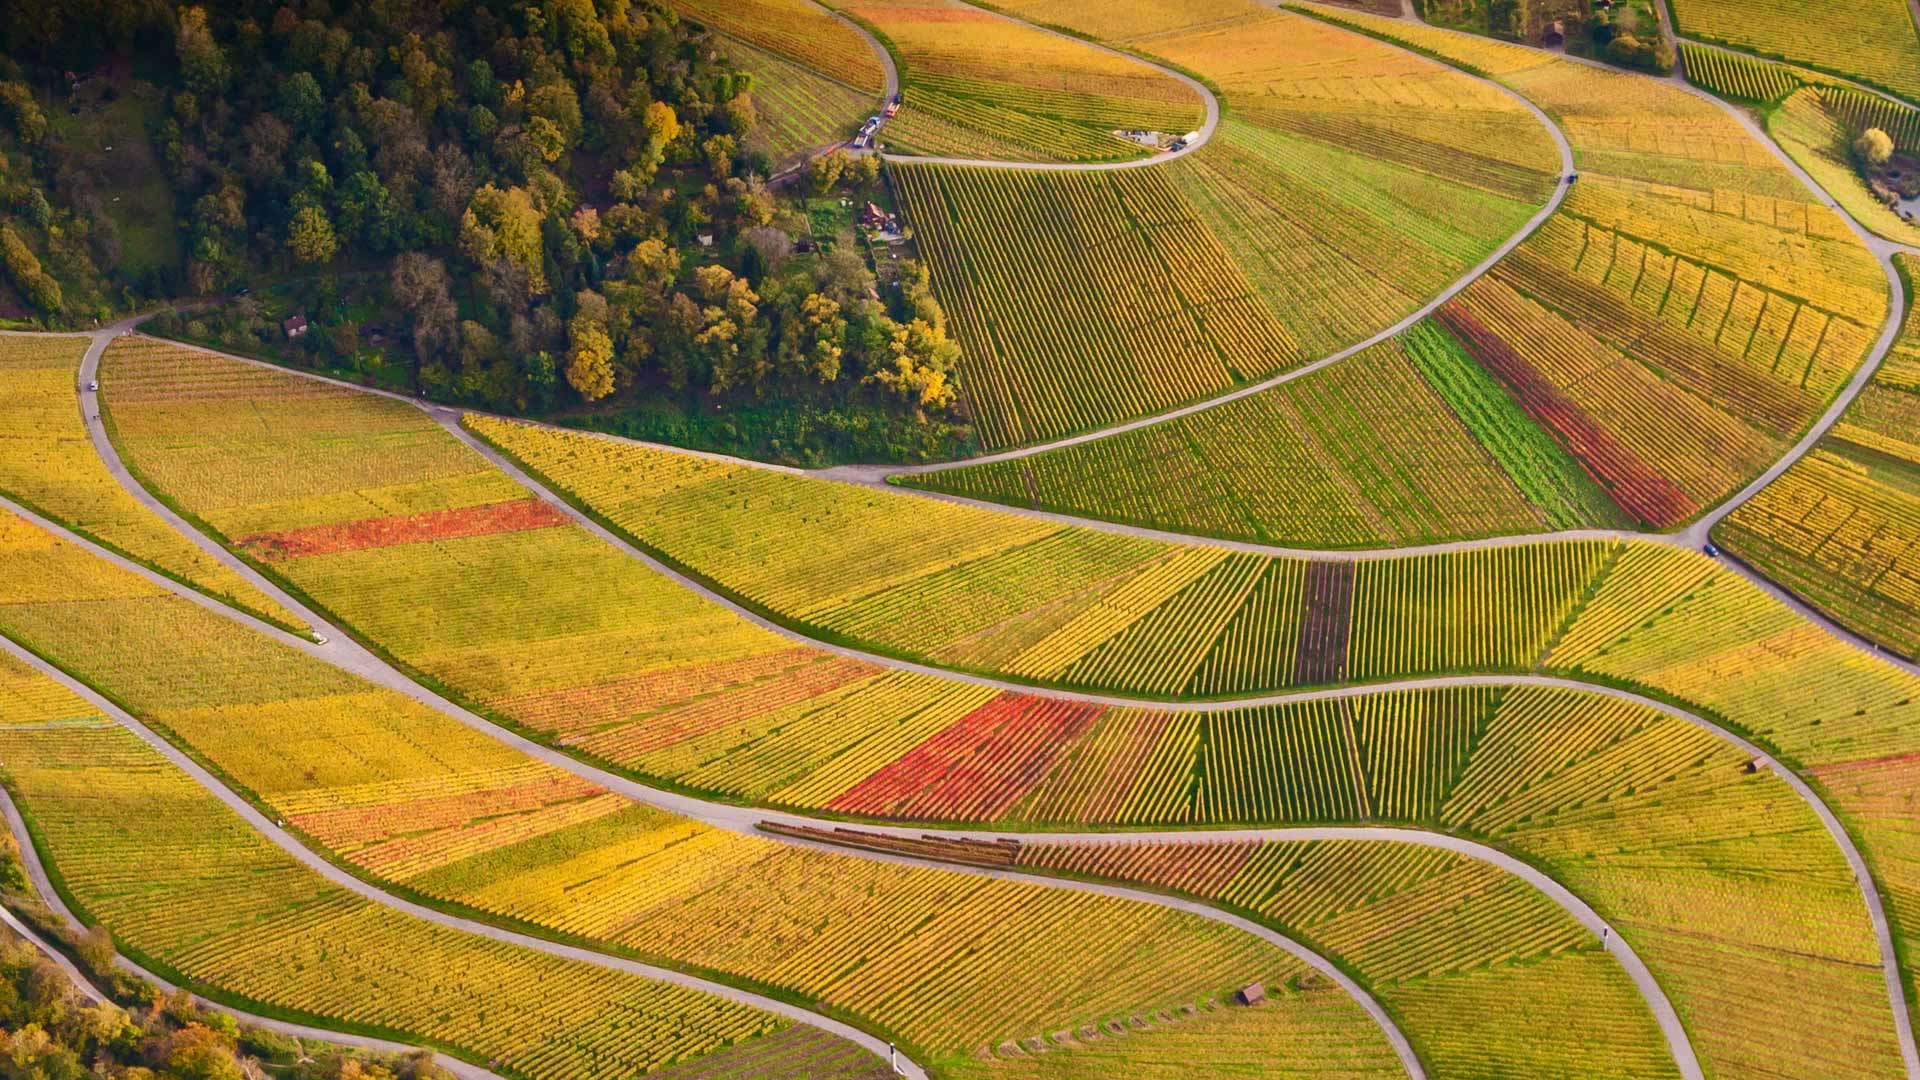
x: 28, y: 121
x: 23, y: 267
x: 310, y: 236
x: 579, y: 31
x: 202, y: 62
x: 301, y: 103
x: 813, y: 340
x: 504, y: 223
x: 719, y: 150
x: 825, y: 170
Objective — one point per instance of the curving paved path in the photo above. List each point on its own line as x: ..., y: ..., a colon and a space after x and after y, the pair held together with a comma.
x: 339, y: 651
x: 1694, y: 535
x: 873, y: 474
x: 42, y: 884
x: 877, y: 475
x: 747, y: 819
x: 342, y: 651
x: 336, y: 876
x: 1583, y: 913
x: 104, y: 450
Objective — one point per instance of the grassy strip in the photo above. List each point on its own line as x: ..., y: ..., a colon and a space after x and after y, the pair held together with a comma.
x: 1540, y: 467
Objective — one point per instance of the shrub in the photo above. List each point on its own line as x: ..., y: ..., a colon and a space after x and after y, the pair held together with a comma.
x: 1874, y: 147
x: 35, y: 284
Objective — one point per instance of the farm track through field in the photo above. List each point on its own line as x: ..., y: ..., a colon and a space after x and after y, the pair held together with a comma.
x: 314, y: 862
x: 749, y: 820
x: 1692, y: 536
x: 43, y: 885
x: 342, y: 652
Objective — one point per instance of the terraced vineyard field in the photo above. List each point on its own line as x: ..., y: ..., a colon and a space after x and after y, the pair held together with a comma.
x: 980, y: 85
x: 1047, y: 348
x: 1842, y: 527
x: 1740, y: 77
x: 798, y: 110
x: 603, y: 759
x: 1268, y: 246
x: 1136, y: 767
x: 1405, y: 443
x: 1860, y: 110
x: 410, y: 796
x: 1683, y: 628
x: 797, y: 31
x: 145, y: 851
x: 1443, y: 940
x: 1873, y: 40
x: 1331, y: 149
x: 1818, y: 128
x: 1705, y: 865
x: 1656, y: 329
x: 48, y: 465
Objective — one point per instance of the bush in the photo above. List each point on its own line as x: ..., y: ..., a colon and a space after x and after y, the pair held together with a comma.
x: 1874, y: 147
x: 23, y: 267
x: 1629, y: 51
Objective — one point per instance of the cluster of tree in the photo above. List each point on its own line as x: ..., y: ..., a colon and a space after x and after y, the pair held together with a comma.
x: 24, y: 270
x: 559, y: 194
x: 48, y: 199
x: 1647, y: 50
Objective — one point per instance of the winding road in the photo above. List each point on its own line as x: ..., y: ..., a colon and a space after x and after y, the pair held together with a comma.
x: 43, y: 885
x: 335, y: 875
x: 878, y: 474
x: 748, y: 820
x: 341, y: 650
